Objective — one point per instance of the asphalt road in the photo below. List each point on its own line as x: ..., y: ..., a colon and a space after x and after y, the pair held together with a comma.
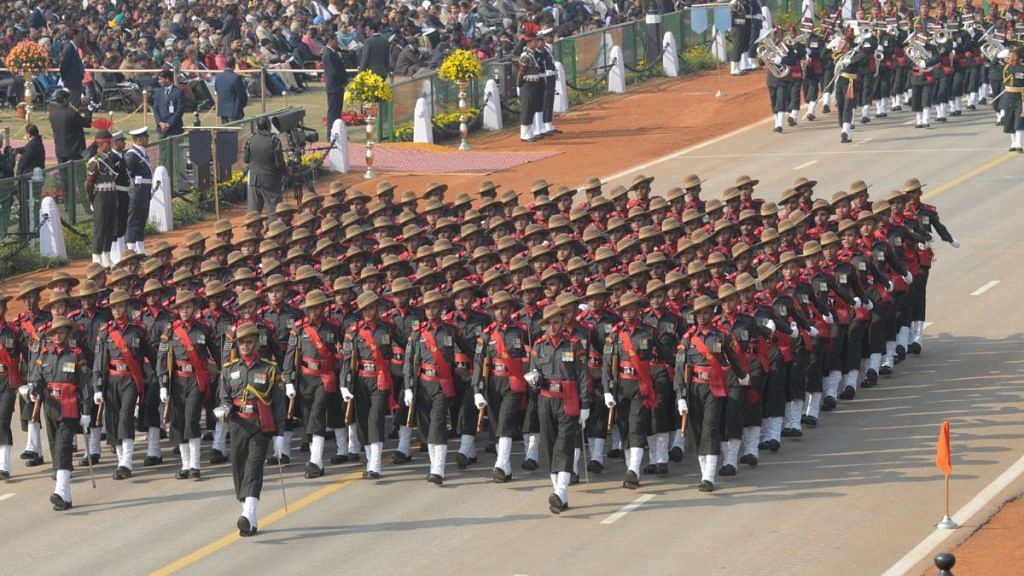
x: 850, y: 497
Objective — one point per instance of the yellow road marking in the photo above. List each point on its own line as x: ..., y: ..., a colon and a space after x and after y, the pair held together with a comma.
x: 217, y: 545
x: 968, y: 175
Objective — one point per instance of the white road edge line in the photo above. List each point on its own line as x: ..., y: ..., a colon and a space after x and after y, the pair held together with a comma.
x: 926, y: 325
x: 988, y: 286
x: 6, y: 496
x: 627, y: 509
x: 805, y: 165
x: 685, y: 151
x: 961, y: 517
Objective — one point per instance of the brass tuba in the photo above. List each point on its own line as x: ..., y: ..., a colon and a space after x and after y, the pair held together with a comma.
x: 917, y: 53
x: 769, y: 51
x: 993, y: 49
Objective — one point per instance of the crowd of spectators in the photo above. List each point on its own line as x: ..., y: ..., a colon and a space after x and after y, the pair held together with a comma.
x: 123, y: 36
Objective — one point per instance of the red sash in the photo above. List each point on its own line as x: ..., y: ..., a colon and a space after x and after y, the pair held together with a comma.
x: 202, y: 370
x: 385, y: 382
x: 13, y: 371
x: 568, y: 393
x: 444, y: 370
x: 133, y: 365
x: 64, y: 394
x: 643, y: 372
x: 516, y: 379
x: 327, y: 369
x: 716, y: 372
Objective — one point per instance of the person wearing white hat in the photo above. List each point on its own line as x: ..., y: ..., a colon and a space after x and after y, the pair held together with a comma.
x: 140, y: 173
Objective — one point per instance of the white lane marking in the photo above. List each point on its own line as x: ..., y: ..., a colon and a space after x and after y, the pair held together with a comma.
x: 961, y: 517
x: 6, y: 496
x: 909, y: 122
x: 805, y: 165
x: 864, y: 141
x: 925, y: 326
x: 988, y: 286
x: 685, y: 151
x: 627, y: 509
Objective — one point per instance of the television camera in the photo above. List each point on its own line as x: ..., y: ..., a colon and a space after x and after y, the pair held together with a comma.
x: 298, y: 141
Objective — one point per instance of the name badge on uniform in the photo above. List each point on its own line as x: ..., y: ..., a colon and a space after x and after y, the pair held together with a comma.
x: 805, y: 298
x: 842, y: 278
x: 898, y: 241
x: 8, y: 342
x: 385, y: 339
x: 236, y: 375
x: 862, y: 266
x: 879, y: 256
x: 260, y: 379
x: 744, y: 335
x: 170, y: 108
x: 201, y: 339
x: 447, y: 340
x: 642, y: 343
x: 567, y: 356
x: 134, y: 342
x: 822, y: 286
x: 814, y: 44
x: 925, y: 220
x: 516, y: 343
x: 689, y: 318
x: 263, y: 339
x: 68, y: 367
x: 717, y: 347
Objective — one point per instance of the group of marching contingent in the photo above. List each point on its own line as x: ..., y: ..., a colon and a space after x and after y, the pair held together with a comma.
x: 590, y: 324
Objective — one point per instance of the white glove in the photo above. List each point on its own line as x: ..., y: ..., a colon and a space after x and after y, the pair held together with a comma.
x: 23, y: 391
x: 85, y: 420
x: 908, y: 278
x: 814, y: 332
x: 90, y: 207
x: 480, y: 401
x: 584, y: 307
x: 856, y: 302
x: 289, y: 390
x: 955, y: 243
x: 770, y: 325
x: 346, y: 394
x: 745, y: 381
x: 97, y: 398
x: 584, y: 414
x: 164, y: 395
x: 869, y: 305
x: 609, y: 400
x: 889, y: 286
x: 681, y: 406
x: 221, y: 413
x: 408, y: 396
x: 793, y: 330
x: 532, y: 377
x: 829, y: 319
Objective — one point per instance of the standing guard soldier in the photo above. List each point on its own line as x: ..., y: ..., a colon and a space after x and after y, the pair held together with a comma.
x: 547, y: 57
x: 183, y: 365
x: 11, y: 353
x: 311, y: 362
x: 499, y: 380
x: 140, y: 172
x: 122, y: 185
x: 701, y: 383
x: 429, y: 377
x: 252, y: 401
x: 558, y: 374
x: 366, y: 378
x: 122, y: 348
x: 60, y: 379
x: 531, y: 87
x: 100, y: 180
x: 627, y: 382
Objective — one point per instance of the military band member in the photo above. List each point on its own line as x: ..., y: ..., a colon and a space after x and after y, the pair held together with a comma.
x: 100, y: 182
x: 847, y: 85
x: 122, y: 349
x: 252, y: 401
x: 559, y: 376
x: 705, y: 364
x: 60, y: 380
x: 184, y: 362
x: 1011, y: 103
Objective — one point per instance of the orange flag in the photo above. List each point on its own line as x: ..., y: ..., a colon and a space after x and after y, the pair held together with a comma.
x: 942, y: 454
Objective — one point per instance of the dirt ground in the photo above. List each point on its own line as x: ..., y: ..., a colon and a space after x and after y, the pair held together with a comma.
x: 996, y: 549
x: 602, y: 137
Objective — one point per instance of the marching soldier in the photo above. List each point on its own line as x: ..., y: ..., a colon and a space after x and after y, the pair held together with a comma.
x: 558, y: 374
x: 60, y: 380
x: 11, y: 353
x: 499, y: 379
x: 252, y: 401
x: 155, y: 318
x: 32, y: 324
x: 429, y: 378
x: 100, y: 182
x: 310, y: 361
x: 119, y: 386
x: 183, y: 365
x: 365, y: 376
x: 1011, y: 102
x: 701, y: 381
x: 471, y: 325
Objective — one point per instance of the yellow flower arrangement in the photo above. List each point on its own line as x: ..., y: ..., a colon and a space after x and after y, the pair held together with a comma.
x: 27, y: 58
x: 460, y: 66
x: 368, y: 88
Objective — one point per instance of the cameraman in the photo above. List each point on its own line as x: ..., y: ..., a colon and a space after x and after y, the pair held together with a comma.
x: 267, y: 168
x: 68, y: 126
